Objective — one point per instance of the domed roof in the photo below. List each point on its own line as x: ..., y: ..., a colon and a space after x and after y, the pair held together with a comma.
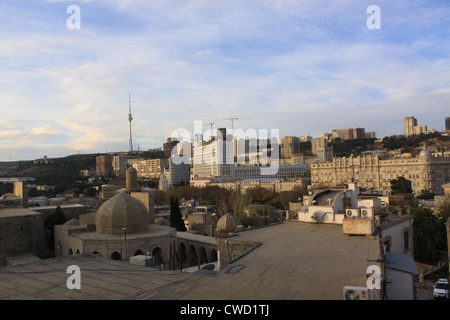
x: 72, y: 222
x: 425, y: 153
x: 121, y: 211
x: 131, y: 169
x: 228, y: 222
x: 162, y: 221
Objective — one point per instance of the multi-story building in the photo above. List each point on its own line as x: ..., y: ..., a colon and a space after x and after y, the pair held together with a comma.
x: 216, y: 160
x: 447, y: 124
x: 409, y: 123
x: 149, y: 168
x: 319, y: 147
x: 177, y: 174
x: 373, y: 172
x: 289, y: 145
x: 119, y: 166
x: 108, y: 191
x: 318, y: 143
x: 169, y: 145
x: 103, y: 165
x: 349, y: 134
x: 419, y: 129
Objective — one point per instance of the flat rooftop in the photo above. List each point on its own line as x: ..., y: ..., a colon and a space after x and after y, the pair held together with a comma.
x: 295, y: 261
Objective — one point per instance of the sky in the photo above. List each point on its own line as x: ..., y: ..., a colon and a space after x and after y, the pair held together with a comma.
x: 302, y: 67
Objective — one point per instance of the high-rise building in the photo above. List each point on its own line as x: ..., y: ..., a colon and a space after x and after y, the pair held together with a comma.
x: 289, y: 145
x: 349, y: 134
x: 409, y: 124
x: 169, y: 145
x: 103, y: 165
x: 119, y: 166
x: 447, y: 124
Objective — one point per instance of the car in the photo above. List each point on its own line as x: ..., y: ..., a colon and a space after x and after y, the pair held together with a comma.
x: 441, y: 289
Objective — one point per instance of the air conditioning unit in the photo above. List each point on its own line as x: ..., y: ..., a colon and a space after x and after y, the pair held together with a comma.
x: 352, y: 213
x: 356, y: 293
x: 367, y: 213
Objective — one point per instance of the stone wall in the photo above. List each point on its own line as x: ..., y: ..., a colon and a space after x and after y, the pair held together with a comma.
x: 233, y: 249
x: 21, y: 233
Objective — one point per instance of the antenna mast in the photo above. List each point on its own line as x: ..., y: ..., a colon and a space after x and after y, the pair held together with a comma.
x: 130, y: 118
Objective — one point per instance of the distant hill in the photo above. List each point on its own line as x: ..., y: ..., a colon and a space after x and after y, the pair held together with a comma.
x: 56, y: 171
x: 6, y: 166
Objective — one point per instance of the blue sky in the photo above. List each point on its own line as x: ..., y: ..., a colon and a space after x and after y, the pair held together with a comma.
x: 303, y: 67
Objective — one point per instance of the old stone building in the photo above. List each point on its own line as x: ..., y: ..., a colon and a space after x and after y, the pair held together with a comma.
x: 373, y: 172
x: 120, y: 229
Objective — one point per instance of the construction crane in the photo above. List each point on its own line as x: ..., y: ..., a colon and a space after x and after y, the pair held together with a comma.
x: 210, y: 124
x: 232, y: 119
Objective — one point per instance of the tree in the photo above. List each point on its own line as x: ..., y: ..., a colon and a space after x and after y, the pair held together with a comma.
x: 430, y: 235
x: 176, y: 219
x: 401, y: 185
x: 425, y: 194
x: 56, y: 218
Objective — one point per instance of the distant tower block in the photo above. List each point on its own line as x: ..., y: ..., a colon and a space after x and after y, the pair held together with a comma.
x: 130, y: 118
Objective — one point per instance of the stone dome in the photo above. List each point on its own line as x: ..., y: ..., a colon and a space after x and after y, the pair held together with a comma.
x: 121, y: 211
x: 425, y: 153
x: 72, y: 222
x: 228, y: 222
x: 162, y: 221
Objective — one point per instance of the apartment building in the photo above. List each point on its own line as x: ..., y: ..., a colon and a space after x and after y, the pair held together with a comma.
x: 349, y: 134
x: 149, y: 168
x: 373, y: 172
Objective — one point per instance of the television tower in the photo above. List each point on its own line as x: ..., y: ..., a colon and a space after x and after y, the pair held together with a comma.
x: 130, y: 118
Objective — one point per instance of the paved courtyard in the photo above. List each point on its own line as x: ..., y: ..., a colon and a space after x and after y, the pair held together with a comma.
x: 294, y: 261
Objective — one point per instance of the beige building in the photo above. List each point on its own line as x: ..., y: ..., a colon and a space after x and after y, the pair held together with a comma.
x: 150, y: 168
x: 103, y: 166
x: 108, y: 191
x: 412, y: 128
x: 409, y: 123
x: 373, y: 172
x: 289, y: 145
x: 348, y: 134
x: 274, y: 185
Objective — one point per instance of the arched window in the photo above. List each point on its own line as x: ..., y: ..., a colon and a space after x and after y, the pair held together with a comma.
x: 116, y: 256
x: 157, y: 253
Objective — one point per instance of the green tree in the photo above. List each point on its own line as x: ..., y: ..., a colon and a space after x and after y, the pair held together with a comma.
x: 425, y: 194
x: 56, y: 218
x: 260, y: 195
x: 401, y: 185
x: 176, y: 219
x: 430, y: 235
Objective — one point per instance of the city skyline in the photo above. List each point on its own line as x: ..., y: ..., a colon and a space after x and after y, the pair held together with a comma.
x: 303, y: 67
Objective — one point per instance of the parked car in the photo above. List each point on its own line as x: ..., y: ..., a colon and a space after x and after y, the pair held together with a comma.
x: 441, y: 289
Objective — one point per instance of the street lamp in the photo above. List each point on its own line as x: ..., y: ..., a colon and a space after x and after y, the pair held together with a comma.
x: 124, y: 231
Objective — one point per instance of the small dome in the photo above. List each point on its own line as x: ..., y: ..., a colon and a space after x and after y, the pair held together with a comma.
x: 425, y: 153
x: 131, y: 169
x: 72, y: 222
x: 121, y: 211
x: 228, y: 222
x: 162, y: 221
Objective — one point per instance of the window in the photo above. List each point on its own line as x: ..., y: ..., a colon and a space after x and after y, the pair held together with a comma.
x: 406, y: 246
